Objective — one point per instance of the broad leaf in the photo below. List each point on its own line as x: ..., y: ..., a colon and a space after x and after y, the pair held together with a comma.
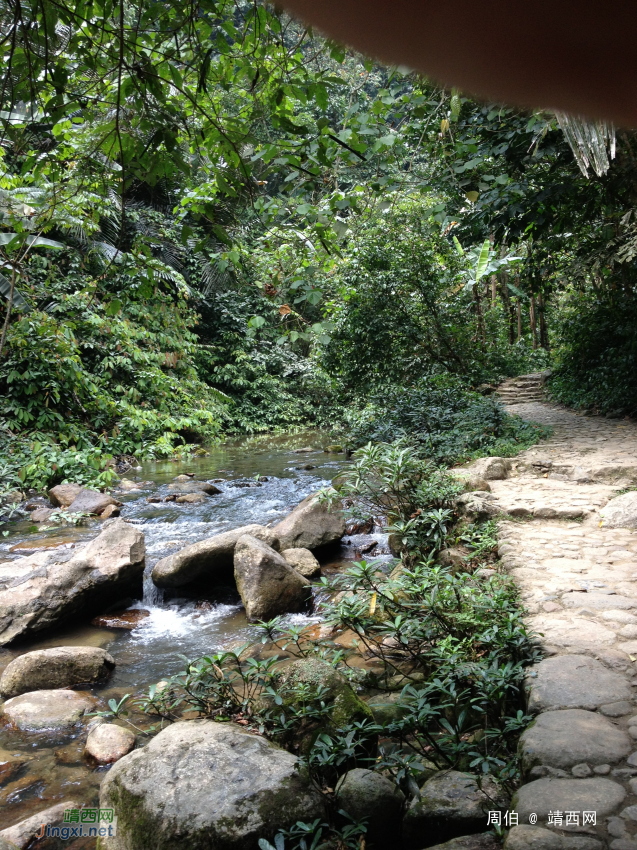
x: 483, y: 259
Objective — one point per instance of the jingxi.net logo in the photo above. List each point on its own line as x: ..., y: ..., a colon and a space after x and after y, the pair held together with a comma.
x: 82, y: 823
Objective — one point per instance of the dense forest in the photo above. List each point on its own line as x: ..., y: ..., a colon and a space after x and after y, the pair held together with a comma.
x: 216, y: 222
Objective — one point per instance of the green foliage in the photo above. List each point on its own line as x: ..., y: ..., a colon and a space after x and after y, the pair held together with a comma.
x: 449, y: 423
x: 596, y: 358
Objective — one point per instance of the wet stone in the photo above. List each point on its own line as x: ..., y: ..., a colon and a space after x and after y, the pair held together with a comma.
x: 43, y: 710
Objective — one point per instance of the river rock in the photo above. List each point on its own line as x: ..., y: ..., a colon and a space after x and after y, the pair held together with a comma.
x: 91, y: 502
x: 191, y: 499
x: 526, y: 837
x: 370, y: 796
x: 59, y: 667
x: 573, y: 681
x: 202, y: 785
x: 450, y: 804
x: 303, y: 561
x: 126, y: 485
x: 573, y: 795
x: 42, y: 514
x: 492, y: 468
x: 110, y: 511
x: 107, y: 743
x: 47, y: 588
x: 194, y: 487
x: 310, y: 525
x: 210, y: 559
x: 620, y: 512
x: 563, y: 739
x: 266, y: 582
x: 42, y: 710
x: 22, y: 834
x: 63, y: 495
x: 10, y: 766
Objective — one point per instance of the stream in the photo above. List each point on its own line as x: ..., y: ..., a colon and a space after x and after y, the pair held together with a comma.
x: 261, y: 480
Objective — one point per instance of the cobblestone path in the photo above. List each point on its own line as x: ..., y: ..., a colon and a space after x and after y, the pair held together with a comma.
x: 578, y: 581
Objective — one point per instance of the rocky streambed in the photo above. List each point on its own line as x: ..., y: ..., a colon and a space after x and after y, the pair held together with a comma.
x: 90, y: 588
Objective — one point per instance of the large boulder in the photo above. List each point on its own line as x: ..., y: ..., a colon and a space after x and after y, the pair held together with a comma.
x: 450, y: 804
x: 268, y: 585
x: 63, y: 495
x: 201, y: 785
x: 310, y: 525
x: 49, y: 587
x: 208, y: 560
x: 47, y: 710
x: 91, y: 502
x: 371, y: 797
x: 60, y: 667
x: 303, y: 561
x: 621, y: 512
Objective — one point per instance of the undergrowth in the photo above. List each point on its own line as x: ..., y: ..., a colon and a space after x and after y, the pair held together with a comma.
x: 451, y: 646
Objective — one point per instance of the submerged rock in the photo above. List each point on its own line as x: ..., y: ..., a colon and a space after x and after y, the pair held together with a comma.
x: 43, y: 710
x: 209, y: 560
x: 201, y: 785
x: 128, y: 620
x: 303, y: 561
x: 310, y: 525
x: 60, y: 667
x: 268, y: 585
x: 450, y: 804
x: 107, y: 743
x: 22, y: 834
x: 370, y: 796
x: 62, y: 495
x: 47, y: 588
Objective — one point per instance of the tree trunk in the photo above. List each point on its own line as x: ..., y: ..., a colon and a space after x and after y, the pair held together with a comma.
x: 480, y: 317
x: 519, y: 320
x: 494, y: 289
x: 544, y: 336
x: 508, y: 306
x: 532, y: 318
x: 8, y: 317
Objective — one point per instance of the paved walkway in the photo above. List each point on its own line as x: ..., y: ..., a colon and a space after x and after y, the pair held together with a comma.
x: 578, y: 581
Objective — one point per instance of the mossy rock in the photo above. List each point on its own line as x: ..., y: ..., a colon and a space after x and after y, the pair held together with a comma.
x: 342, y: 705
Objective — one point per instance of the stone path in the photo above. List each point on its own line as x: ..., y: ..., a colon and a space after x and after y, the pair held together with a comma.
x: 578, y: 581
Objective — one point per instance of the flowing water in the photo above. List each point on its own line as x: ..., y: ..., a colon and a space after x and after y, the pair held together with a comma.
x: 261, y: 481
